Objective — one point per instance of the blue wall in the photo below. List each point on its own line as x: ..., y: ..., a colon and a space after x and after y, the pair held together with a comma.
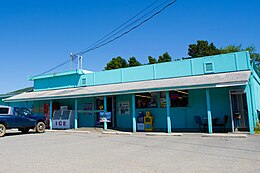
x: 86, y: 119
x: 182, y: 117
x: 124, y: 121
x: 221, y: 63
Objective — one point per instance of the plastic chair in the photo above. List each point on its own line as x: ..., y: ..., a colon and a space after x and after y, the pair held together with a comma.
x: 200, y: 122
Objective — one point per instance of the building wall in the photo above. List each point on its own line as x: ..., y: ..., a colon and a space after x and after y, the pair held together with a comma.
x: 67, y: 81
x: 86, y: 119
x: 221, y: 63
x: 182, y: 117
x: 124, y: 121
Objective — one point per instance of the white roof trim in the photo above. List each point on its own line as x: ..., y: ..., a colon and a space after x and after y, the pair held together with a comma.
x: 189, y: 82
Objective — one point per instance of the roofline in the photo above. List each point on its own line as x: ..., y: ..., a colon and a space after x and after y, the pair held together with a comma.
x: 241, y: 83
x: 71, y: 72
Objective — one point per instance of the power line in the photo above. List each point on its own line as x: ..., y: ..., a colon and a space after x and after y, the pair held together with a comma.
x: 101, y: 42
x: 121, y: 25
x: 132, y: 23
x: 136, y: 26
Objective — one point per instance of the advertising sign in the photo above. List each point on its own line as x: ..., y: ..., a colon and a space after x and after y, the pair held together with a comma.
x: 124, y: 108
x: 105, y: 116
x: 61, y: 124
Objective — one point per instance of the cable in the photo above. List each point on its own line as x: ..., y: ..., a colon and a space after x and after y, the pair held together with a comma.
x: 130, y: 29
x: 62, y: 64
x: 101, y: 44
x: 104, y: 40
x: 120, y: 26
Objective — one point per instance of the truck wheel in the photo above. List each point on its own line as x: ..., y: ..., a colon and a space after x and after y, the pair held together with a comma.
x: 40, y: 127
x: 2, y: 130
x: 25, y: 130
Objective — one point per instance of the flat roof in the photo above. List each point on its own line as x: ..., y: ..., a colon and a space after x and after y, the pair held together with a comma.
x: 189, y: 82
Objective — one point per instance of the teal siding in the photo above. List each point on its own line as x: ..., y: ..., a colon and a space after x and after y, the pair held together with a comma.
x: 86, y: 119
x: 221, y: 63
x: 57, y: 82
x: 182, y: 117
x: 124, y: 121
x: 173, y: 69
x: 138, y: 73
x: 108, y: 77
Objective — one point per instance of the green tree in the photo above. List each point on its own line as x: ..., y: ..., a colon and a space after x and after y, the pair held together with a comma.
x: 132, y: 62
x: 202, y: 48
x: 116, y: 63
x: 231, y: 48
x: 152, y: 60
x: 164, y: 58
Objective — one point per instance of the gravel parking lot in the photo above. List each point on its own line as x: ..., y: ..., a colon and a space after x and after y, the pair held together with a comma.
x: 96, y: 152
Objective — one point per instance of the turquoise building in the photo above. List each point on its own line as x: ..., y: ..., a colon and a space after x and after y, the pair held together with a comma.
x: 220, y: 90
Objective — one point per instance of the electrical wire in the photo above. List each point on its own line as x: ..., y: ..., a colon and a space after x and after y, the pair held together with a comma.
x: 120, y: 25
x: 132, y: 23
x: 136, y: 26
x: 101, y: 43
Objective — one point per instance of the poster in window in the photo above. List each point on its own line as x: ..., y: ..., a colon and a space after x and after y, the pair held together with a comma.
x: 124, y: 108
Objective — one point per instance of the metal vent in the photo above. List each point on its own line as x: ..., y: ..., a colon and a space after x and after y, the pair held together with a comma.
x: 83, y: 81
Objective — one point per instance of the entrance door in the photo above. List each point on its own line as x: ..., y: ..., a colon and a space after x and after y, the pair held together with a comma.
x: 239, y: 110
x: 111, y: 107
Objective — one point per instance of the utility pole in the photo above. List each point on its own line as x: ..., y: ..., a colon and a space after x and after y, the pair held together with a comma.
x: 80, y: 61
x: 71, y: 59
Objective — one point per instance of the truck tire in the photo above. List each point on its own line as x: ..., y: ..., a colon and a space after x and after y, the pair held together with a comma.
x: 40, y: 127
x: 2, y: 130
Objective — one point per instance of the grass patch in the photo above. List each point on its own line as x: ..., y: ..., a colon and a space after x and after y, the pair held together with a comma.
x: 257, y: 128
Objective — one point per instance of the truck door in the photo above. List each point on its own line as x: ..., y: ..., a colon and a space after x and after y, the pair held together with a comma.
x: 23, y: 118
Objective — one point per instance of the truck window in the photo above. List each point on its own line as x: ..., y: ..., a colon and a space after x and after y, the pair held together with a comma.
x: 4, y: 110
x: 16, y: 111
x: 25, y: 112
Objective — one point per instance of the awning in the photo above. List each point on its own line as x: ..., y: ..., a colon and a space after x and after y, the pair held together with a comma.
x: 190, y: 82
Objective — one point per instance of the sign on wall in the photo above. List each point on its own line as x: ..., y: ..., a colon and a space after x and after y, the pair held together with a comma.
x: 124, y: 108
x: 105, y: 116
x: 61, y: 124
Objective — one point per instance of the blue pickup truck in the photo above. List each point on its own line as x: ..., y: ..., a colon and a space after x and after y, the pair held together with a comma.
x: 21, y: 118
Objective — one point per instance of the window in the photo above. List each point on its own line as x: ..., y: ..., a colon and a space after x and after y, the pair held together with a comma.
x: 146, y: 100
x: 4, y: 110
x: 25, y: 112
x: 208, y: 67
x: 179, y: 98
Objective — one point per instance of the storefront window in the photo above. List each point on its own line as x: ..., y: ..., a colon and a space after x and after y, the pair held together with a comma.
x: 146, y: 100
x: 179, y: 98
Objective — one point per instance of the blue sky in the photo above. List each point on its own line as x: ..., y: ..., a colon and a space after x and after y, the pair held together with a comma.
x: 38, y: 35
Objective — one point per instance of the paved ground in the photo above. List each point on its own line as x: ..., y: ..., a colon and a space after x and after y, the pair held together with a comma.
x: 94, y: 152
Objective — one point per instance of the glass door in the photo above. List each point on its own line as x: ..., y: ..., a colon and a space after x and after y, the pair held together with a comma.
x: 239, y: 110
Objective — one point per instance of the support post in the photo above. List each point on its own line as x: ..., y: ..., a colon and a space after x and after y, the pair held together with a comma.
x: 168, y: 113
x: 105, y: 110
x: 249, y: 107
x: 105, y: 103
x: 76, y: 114
x: 50, y: 115
x: 209, y: 111
x: 133, y: 113
x: 252, y: 91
